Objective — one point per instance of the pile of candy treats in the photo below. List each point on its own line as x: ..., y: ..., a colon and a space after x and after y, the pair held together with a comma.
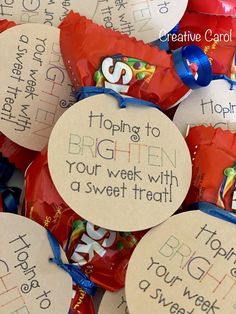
x: 118, y: 118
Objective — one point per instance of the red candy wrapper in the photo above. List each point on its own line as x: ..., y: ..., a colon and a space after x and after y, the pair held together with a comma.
x: 215, y: 7
x: 5, y: 24
x: 97, y: 56
x: 17, y: 155
x: 102, y: 254
x: 81, y: 303
x: 213, y: 153
x: 215, y: 35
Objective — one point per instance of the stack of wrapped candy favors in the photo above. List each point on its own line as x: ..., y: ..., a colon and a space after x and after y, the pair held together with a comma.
x: 117, y: 157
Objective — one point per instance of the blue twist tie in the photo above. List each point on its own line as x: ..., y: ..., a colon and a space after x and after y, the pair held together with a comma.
x: 215, y: 211
x: 89, y: 91
x: 162, y: 43
x: 78, y: 277
x: 10, y: 198
x: 6, y: 169
x: 194, y: 55
x: 175, y: 29
x: 226, y: 78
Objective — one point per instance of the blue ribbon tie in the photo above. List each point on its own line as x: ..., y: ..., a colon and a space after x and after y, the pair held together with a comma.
x: 78, y: 277
x: 226, y: 78
x: 88, y: 91
x: 6, y: 169
x: 215, y: 211
x: 10, y: 198
x: 175, y: 29
x: 194, y: 55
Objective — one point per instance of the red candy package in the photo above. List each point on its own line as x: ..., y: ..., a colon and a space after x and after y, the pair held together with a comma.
x: 213, y: 153
x: 5, y: 24
x: 95, y: 56
x: 216, y: 35
x: 81, y: 303
x: 102, y: 254
x: 17, y: 155
x: 215, y: 7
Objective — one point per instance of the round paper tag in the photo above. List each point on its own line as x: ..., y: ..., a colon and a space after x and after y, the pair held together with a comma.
x: 121, y: 169
x: 147, y: 20
x: 28, y: 282
x: 114, y: 303
x: 187, y: 265
x: 213, y: 105
x: 34, y: 86
x: 50, y: 12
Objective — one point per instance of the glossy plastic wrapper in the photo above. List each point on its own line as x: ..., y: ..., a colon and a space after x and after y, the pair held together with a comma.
x: 215, y: 7
x: 215, y: 35
x: 213, y: 153
x: 102, y: 254
x: 19, y: 156
x: 81, y: 303
x: 5, y: 24
x: 95, y: 56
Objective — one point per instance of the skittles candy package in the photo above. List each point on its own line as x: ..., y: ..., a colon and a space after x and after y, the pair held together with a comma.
x: 5, y: 24
x: 214, y: 7
x: 17, y: 155
x: 213, y: 153
x: 95, y: 56
x: 102, y: 254
x: 215, y: 35
x: 81, y: 303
